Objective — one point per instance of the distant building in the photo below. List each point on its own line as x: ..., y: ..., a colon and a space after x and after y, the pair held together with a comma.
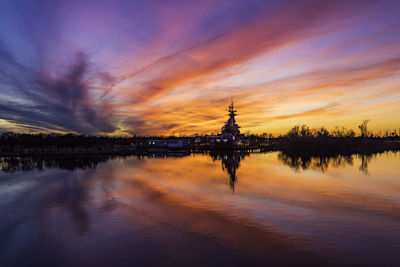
x: 169, y: 143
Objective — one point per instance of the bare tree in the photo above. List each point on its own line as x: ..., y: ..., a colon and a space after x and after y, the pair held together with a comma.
x: 364, y: 128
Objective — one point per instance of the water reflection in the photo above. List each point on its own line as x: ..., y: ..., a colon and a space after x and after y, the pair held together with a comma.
x: 15, y: 164
x: 322, y: 163
x: 230, y: 162
x: 123, y: 211
x: 365, y: 160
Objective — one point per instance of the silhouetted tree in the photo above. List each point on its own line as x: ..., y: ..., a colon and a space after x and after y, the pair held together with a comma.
x: 321, y: 132
x: 294, y: 132
x: 364, y: 128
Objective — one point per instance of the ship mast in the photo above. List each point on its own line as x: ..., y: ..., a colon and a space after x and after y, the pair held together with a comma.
x: 232, y: 112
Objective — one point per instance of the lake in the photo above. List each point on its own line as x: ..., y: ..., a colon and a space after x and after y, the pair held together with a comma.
x: 200, y: 210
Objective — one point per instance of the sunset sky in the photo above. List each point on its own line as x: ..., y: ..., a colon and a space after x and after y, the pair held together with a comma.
x: 172, y: 67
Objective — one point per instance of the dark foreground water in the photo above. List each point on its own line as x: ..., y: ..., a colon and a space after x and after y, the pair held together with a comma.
x: 220, y: 210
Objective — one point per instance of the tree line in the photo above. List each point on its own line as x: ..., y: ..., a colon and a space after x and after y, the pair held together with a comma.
x: 304, y: 131
x: 298, y: 134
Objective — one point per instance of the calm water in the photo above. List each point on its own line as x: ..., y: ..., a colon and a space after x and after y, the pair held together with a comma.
x: 204, y: 210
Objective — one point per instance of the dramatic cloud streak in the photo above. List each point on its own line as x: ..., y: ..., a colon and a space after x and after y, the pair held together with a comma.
x: 117, y: 67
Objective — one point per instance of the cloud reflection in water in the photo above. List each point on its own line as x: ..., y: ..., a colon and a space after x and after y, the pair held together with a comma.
x: 125, y: 211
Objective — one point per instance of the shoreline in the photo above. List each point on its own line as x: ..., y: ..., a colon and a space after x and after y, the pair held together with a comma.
x: 298, y: 150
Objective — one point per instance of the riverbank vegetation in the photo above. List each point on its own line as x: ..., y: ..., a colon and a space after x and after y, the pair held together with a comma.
x: 320, y: 141
x: 298, y: 140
